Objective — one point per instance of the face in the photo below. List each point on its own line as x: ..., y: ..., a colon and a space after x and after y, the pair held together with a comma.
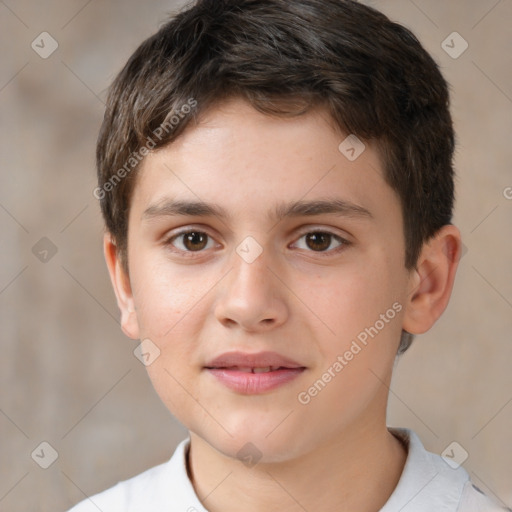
x: 268, y: 269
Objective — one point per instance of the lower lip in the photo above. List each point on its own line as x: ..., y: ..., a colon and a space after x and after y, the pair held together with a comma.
x: 254, y: 383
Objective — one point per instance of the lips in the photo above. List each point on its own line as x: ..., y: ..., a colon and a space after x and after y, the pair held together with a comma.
x: 245, y: 361
x: 251, y: 374
x: 249, y: 369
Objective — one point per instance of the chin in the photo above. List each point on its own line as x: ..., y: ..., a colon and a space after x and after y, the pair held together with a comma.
x: 255, y: 441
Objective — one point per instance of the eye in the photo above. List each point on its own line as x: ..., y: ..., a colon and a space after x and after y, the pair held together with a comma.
x: 191, y: 241
x: 320, y: 241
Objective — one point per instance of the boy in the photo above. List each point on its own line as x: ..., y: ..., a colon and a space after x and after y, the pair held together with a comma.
x: 277, y: 185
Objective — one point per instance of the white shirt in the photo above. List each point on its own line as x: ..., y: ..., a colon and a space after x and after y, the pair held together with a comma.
x: 427, y: 484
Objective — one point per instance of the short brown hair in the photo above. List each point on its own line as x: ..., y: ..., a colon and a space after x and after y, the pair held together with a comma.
x: 286, y: 57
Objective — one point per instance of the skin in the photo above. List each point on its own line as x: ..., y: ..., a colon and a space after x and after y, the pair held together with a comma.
x: 334, y: 453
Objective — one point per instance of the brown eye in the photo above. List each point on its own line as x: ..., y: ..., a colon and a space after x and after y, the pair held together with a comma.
x: 191, y: 241
x: 318, y: 241
x: 321, y: 241
x: 195, y: 241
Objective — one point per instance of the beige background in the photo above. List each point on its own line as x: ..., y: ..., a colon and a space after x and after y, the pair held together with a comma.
x: 68, y: 375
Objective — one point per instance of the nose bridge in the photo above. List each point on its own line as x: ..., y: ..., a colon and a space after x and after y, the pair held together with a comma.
x: 250, y: 263
x: 250, y: 280
x: 251, y: 297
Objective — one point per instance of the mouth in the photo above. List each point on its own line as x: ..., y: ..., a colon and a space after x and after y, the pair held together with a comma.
x: 249, y: 369
x: 251, y: 374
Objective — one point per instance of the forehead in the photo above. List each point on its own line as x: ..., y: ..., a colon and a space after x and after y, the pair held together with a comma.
x: 249, y: 161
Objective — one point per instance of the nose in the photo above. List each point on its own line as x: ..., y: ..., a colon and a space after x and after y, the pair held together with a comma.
x: 252, y: 298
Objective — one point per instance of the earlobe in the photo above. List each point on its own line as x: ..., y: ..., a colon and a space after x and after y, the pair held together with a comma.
x: 122, y: 287
x: 431, y: 283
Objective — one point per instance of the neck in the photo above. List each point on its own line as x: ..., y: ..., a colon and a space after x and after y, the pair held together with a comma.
x: 357, y: 470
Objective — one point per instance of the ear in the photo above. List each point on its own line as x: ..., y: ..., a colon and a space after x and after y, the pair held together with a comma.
x: 431, y: 282
x: 122, y: 288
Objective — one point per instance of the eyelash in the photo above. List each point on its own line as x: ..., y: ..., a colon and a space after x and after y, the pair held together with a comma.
x: 344, y: 243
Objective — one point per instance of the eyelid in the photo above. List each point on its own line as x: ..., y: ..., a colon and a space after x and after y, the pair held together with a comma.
x: 335, y: 232
x: 168, y: 235
x: 322, y: 228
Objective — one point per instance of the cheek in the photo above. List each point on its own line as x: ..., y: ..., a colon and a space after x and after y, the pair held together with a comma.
x: 163, y: 298
x: 358, y: 358
x: 362, y: 305
x: 345, y: 301
x: 170, y: 313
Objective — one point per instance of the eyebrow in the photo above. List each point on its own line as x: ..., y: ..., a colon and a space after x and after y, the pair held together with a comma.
x: 339, y: 207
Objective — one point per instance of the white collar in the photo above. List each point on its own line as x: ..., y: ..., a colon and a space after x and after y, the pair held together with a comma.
x: 427, y: 482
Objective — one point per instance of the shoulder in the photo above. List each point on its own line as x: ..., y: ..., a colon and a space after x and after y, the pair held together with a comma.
x: 149, y: 491
x: 122, y: 496
x: 430, y: 482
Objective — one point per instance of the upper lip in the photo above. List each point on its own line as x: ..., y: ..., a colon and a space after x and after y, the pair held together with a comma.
x: 247, y: 360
